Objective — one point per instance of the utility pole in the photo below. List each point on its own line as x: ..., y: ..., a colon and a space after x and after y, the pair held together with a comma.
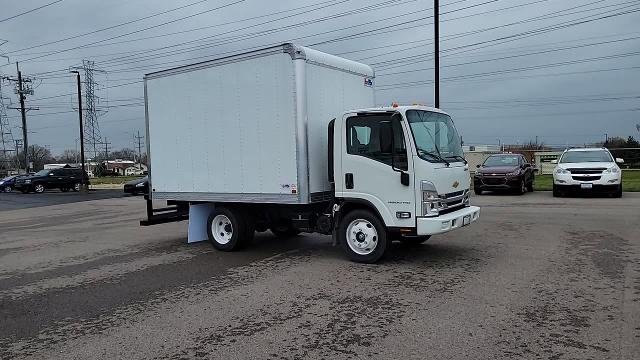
x: 436, y: 50
x: 606, y: 138
x: 22, y: 89
x: 106, y: 153
x: 139, y: 138
x: 83, y: 187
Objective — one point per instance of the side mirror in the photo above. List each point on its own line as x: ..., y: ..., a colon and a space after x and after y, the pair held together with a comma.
x: 620, y: 161
x: 554, y: 161
x: 478, y: 166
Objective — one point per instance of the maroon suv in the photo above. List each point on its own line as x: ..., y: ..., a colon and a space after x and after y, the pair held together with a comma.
x: 504, y: 172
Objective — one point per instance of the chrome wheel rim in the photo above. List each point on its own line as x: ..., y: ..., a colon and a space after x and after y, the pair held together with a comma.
x: 76, y: 187
x: 221, y: 229
x: 39, y: 188
x: 362, y: 237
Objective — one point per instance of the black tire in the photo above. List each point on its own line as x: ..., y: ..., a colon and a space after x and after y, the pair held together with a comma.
x: 414, y: 240
x: 379, y: 239
x: 618, y: 192
x: 7, y: 189
x: 556, y: 192
x: 235, y: 228
x: 530, y: 186
x: 477, y: 191
x: 523, y: 188
x: 284, y: 231
x: 38, y: 188
x: 76, y: 187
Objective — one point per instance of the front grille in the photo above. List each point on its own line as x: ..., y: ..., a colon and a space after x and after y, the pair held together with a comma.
x: 453, y: 194
x: 494, y: 181
x: 586, y: 178
x: 587, y: 170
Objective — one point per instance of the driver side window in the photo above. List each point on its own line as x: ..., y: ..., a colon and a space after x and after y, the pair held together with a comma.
x: 363, y: 139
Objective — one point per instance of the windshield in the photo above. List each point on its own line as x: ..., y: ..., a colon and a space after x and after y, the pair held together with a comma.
x: 503, y: 160
x: 586, y: 156
x: 42, y: 172
x: 435, y: 136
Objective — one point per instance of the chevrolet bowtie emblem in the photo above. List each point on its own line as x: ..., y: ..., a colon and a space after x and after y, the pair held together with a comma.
x: 456, y: 184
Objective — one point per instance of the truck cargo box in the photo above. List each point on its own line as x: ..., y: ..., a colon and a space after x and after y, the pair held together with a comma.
x: 249, y: 127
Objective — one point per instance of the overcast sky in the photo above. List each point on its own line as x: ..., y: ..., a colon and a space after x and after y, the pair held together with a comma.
x: 565, y: 71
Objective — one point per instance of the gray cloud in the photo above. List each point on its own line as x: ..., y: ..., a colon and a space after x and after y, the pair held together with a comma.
x: 572, y: 103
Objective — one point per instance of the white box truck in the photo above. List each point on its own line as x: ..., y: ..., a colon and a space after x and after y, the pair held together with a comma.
x: 287, y: 139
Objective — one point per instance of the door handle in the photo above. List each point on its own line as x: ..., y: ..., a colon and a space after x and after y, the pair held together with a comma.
x: 348, y: 180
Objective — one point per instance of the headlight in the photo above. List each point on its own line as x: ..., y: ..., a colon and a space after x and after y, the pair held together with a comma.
x: 430, y: 200
x: 1, y: 182
x: 514, y: 173
x: 561, y: 171
x: 140, y: 185
x: 613, y: 170
x: 27, y: 181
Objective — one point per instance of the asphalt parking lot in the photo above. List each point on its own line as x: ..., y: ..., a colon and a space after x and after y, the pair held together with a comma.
x: 536, y: 278
x: 16, y: 200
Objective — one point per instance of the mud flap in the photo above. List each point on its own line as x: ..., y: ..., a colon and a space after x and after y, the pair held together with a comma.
x: 198, y: 215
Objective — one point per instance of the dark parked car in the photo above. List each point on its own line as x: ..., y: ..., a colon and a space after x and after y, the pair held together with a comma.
x: 8, y: 183
x: 137, y: 186
x: 504, y: 172
x: 64, y: 179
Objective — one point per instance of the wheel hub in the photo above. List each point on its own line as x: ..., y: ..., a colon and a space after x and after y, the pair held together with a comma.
x: 221, y: 229
x: 362, y: 237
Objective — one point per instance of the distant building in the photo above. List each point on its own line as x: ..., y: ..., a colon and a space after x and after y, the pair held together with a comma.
x: 477, y: 154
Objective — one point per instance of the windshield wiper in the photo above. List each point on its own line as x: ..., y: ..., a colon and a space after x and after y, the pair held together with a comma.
x: 435, y: 155
x: 457, y: 157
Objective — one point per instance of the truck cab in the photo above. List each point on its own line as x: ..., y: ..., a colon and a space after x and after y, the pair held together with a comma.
x: 402, y: 166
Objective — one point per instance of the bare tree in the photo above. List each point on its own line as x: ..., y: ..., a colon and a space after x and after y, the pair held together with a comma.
x: 69, y: 156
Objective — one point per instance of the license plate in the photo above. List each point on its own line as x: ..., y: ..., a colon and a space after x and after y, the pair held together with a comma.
x: 586, y: 186
x: 466, y: 220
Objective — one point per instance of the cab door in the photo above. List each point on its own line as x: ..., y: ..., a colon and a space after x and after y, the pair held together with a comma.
x: 366, y: 173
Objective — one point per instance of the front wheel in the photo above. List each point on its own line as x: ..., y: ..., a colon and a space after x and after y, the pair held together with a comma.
x: 363, y: 236
x: 618, y: 192
x: 530, y: 186
x: 76, y: 187
x: 556, y: 192
x: 415, y: 240
x: 523, y: 187
x: 228, y: 229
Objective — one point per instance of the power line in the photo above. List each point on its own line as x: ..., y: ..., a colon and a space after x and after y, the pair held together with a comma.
x: 30, y: 11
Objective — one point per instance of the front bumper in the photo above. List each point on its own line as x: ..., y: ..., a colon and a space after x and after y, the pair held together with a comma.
x: 444, y: 223
x: 597, y: 180
x: 497, y: 182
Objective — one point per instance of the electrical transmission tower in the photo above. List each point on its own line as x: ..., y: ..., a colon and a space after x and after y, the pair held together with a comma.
x: 7, y: 141
x: 92, y: 136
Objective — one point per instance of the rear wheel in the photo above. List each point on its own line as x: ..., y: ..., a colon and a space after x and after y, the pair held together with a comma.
x: 76, y: 187
x: 363, y: 236
x: 228, y: 229
x: 415, y: 240
x: 38, y: 188
x: 7, y: 189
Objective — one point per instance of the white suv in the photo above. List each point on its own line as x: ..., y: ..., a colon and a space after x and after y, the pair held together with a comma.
x: 589, y: 169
